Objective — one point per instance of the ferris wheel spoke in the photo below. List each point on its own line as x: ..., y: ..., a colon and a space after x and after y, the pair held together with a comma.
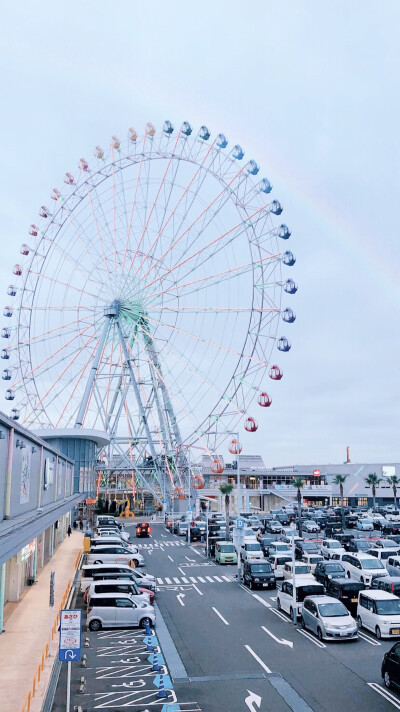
x: 63, y: 284
x: 77, y: 266
x: 134, y: 202
x: 97, y: 228
x: 45, y: 334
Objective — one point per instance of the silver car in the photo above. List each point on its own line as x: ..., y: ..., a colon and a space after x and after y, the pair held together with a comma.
x: 328, y: 618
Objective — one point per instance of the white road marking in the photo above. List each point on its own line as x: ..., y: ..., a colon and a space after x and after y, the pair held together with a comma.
x: 197, y: 589
x: 160, y: 581
x: 310, y: 637
x: 185, y: 580
x: 186, y: 557
x: 280, y: 615
x: 192, y: 578
x: 273, y: 598
x: 367, y: 639
x: 262, y: 600
x: 170, y: 557
x: 255, y: 656
x: 201, y: 579
x: 252, y: 700
x: 197, y: 552
x: 179, y: 597
x: 220, y: 616
x: 226, y: 578
x: 282, y: 641
x: 168, y: 580
x: 176, y: 579
x: 385, y: 693
x: 216, y: 578
x: 208, y: 579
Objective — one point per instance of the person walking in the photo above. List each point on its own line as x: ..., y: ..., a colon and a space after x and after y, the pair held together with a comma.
x: 69, y: 530
x: 81, y: 525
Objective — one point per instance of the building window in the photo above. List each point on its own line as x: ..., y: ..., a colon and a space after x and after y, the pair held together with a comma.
x: 362, y: 501
x: 336, y: 501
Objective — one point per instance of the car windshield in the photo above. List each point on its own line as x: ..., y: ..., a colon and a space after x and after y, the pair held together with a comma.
x: 227, y: 548
x: 389, y: 607
x: 282, y: 547
x: 334, y: 545
x: 371, y: 564
x: 388, y: 543
x: 332, y: 610
x: 329, y: 568
x: 253, y: 547
x: 363, y: 545
x: 261, y: 569
x: 302, y: 569
x: 315, y: 559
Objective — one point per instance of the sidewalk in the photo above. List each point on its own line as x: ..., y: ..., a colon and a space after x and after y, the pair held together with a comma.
x: 27, y: 629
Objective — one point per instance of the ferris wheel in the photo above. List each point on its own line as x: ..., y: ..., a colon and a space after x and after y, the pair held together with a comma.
x: 147, y: 300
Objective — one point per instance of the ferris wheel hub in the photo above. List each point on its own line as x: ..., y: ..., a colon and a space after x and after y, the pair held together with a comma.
x: 114, y: 309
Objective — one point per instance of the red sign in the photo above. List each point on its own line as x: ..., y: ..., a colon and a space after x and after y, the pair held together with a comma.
x: 317, y: 473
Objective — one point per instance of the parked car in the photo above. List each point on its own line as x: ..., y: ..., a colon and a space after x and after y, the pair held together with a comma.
x: 391, y: 584
x: 363, y: 567
x: 393, y: 565
x: 331, y: 548
x: 113, y: 554
x: 265, y: 543
x: 280, y: 547
x: 327, y: 570
x: 383, y: 554
x: 259, y: 574
x: 116, y: 586
x: 386, y: 544
x: 310, y: 526
x: 129, y: 578
x: 300, y: 568
x: 113, y: 532
x: 328, y: 618
x: 390, y: 669
x: 302, y: 588
x: 225, y: 553
x: 346, y: 590
x: 113, y: 541
x: 182, y: 528
x: 117, y: 610
x: 143, y: 529
x: 311, y: 560
x: 358, y: 545
x: 305, y: 547
x: 365, y: 525
x: 89, y: 572
x: 278, y: 562
x: 379, y: 612
x: 251, y: 551
x: 274, y: 527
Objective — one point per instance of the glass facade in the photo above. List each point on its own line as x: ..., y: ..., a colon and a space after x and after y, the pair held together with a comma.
x: 83, y: 452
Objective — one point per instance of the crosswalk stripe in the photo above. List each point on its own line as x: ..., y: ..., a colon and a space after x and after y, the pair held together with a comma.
x: 209, y: 579
x: 217, y: 578
x: 168, y: 580
x: 201, y: 579
x: 184, y: 579
x: 160, y: 581
x: 226, y: 578
x: 175, y: 579
x: 192, y: 578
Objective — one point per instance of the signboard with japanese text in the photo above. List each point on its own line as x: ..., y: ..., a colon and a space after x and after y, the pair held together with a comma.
x: 70, y: 635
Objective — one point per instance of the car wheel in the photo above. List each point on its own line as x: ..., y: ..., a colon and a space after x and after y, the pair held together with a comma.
x: 303, y: 625
x: 95, y: 624
x: 378, y: 632
x: 319, y: 634
x: 143, y: 622
x: 359, y: 621
x: 387, y: 680
x: 278, y: 603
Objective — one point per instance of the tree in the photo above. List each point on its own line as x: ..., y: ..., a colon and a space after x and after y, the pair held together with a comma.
x: 298, y: 483
x: 373, y: 481
x: 394, y: 481
x: 226, y: 489
x: 340, y: 480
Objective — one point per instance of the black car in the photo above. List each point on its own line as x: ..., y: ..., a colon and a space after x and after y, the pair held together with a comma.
x: 344, y: 539
x: 332, y: 528
x: 390, y: 669
x: 259, y: 574
x: 305, y: 547
x: 143, y: 529
x: 265, y: 543
x: 273, y: 527
x: 358, y: 545
x: 195, y: 533
x: 346, y: 590
x: 391, y: 584
x: 327, y: 570
x: 350, y: 521
x: 395, y: 537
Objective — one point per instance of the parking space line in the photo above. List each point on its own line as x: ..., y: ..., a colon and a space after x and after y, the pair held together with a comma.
x: 226, y: 578
x: 280, y: 615
x: 209, y: 579
x: 216, y: 578
x: 200, y: 578
x: 220, y: 615
x: 192, y: 578
x: 385, y: 693
x: 367, y: 639
x: 310, y: 637
x: 255, y: 656
x: 262, y: 600
x: 197, y: 589
x: 170, y: 557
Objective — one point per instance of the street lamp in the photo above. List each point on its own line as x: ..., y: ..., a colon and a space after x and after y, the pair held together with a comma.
x: 294, y: 602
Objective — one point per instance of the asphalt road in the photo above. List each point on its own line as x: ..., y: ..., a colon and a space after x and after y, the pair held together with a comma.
x: 223, y: 649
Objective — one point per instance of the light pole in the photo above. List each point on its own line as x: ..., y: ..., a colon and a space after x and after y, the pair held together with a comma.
x: 294, y: 602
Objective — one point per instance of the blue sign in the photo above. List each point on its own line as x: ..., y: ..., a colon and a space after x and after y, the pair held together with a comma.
x: 70, y: 635
x: 190, y: 508
x: 240, y: 524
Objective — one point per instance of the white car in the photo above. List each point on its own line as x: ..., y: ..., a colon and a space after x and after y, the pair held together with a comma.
x: 301, y: 569
x: 113, y: 555
x: 251, y: 551
x: 363, y: 567
x: 365, y: 525
x: 304, y: 587
x: 279, y: 547
x: 118, y: 610
x: 310, y: 526
x: 113, y: 533
x: 311, y: 560
x: 331, y: 548
x: 379, y: 612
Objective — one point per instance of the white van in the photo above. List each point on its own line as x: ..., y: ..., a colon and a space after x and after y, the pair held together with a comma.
x: 117, y: 586
x: 379, y: 611
x: 111, y: 531
x: 362, y: 567
x: 113, y: 554
x: 301, y: 569
x: 90, y: 573
x: 115, y: 539
x: 278, y: 562
x: 382, y: 554
x: 393, y: 565
x: 117, y: 610
x: 304, y: 587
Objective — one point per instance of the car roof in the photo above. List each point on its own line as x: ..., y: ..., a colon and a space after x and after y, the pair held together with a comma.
x: 361, y: 555
x: 343, y: 579
x: 114, y: 595
x: 379, y: 593
x: 304, y: 581
x: 322, y: 598
x: 111, y: 581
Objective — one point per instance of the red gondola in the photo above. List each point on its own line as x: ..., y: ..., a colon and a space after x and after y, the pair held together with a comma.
x: 69, y: 179
x: 17, y: 270
x: 198, y: 482
x: 250, y: 425
x: 275, y: 373
x: 234, y: 447
x: 217, y: 466
x: 24, y: 250
x: 178, y: 493
x: 264, y: 400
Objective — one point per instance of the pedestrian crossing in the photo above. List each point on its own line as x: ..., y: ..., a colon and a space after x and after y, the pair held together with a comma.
x: 171, y: 580
x: 160, y: 544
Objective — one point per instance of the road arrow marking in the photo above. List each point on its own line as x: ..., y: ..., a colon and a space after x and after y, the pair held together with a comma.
x: 282, y: 641
x: 179, y: 597
x: 252, y: 700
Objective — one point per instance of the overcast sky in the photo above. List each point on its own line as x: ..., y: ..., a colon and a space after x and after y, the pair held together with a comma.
x: 310, y: 89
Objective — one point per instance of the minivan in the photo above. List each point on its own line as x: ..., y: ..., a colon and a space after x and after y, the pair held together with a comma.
x: 346, y: 590
x: 304, y: 587
x: 113, y: 554
x: 278, y: 562
x: 117, y: 610
x: 113, y: 540
x: 113, y: 532
x: 393, y: 565
x: 89, y: 572
x: 117, y: 586
x: 379, y: 611
x: 363, y: 567
x: 225, y: 553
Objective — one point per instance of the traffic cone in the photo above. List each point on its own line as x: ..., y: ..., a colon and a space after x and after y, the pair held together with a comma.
x: 161, y: 694
x: 148, y: 629
x: 156, y: 666
x: 148, y: 644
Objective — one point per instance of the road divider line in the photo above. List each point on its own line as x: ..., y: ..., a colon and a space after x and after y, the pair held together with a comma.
x: 220, y: 616
x: 281, y: 641
x: 367, y: 639
x: 280, y: 615
x: 197, y: 589
x: 255, y: 656
x: 170, y: 557
x: 384, y: 693
x: 261, y: 600
x: 310, y: 637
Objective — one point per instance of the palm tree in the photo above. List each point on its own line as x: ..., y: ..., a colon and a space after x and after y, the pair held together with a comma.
x: 394, y: 481
x: 226, y: 489
x: 298, y: 483
x: 373, y: 480
x: 340, y: 480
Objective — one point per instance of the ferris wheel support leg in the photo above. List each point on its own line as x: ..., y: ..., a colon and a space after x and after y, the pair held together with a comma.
x: 143, y: 418
x: 92, y: 376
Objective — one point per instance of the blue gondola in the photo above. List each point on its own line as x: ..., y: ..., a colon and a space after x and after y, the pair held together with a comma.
x: 5, y: 333
x: 8, y: 311
x: 265, y: 186
x: 283, y: 344
x: 288, y: 315
x: 252, y: 168
x: 288, y: 258
x: 222, y: 142
x: 290, y: 286
x: 15, y: 414
x: 10, y: 395
x: 283, y: 232
x: 275, y: 207
x: 11, y: 290
x: 186, y: 128
x: 168, y: 128
x: 204, y: 133
x: 5, y: 354
x: 6, y: 375
x: 237, y: 152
